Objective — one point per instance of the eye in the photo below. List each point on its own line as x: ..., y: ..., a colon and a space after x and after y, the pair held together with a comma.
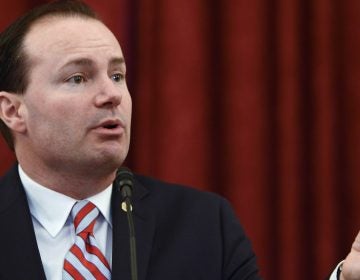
x: 118, y: 77
x: 77, y: 79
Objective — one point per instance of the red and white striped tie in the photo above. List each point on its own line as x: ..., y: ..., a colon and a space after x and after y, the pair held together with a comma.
x: 84, y: 261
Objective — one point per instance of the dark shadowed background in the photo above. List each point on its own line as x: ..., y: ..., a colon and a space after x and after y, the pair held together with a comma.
x: 255, y: 100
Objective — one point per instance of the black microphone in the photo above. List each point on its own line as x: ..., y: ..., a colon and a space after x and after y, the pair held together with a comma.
x: 124, y: 182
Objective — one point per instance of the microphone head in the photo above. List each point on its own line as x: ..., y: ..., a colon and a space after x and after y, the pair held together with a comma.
x: 124, y: 181
x: 124, y: 173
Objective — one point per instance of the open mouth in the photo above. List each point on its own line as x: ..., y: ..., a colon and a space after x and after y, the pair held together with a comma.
x: 110, y: 126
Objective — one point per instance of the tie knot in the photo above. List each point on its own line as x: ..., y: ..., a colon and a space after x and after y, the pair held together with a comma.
x: 84, y: 214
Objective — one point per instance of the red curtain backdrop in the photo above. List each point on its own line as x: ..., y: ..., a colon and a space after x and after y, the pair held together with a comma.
x: 255, y: 100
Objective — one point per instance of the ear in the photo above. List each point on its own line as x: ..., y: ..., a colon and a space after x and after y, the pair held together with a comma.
x: 11, y: 112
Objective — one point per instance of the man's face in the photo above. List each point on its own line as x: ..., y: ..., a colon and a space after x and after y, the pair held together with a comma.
x: 77, y: 105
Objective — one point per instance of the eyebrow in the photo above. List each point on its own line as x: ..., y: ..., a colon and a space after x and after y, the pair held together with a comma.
x: 88, y: 62
x: 117, y: 61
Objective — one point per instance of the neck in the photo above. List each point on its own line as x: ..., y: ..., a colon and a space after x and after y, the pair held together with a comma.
x: 75, y: 184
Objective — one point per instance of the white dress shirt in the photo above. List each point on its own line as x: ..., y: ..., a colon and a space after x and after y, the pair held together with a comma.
x: 53, y: 226
x: 333, y: 275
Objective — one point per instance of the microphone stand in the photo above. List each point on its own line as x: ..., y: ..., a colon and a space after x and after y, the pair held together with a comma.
x: 124, y: 183
x: 133, y: 258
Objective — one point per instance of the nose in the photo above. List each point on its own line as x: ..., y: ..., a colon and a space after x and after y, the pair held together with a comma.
x: 109, y: 94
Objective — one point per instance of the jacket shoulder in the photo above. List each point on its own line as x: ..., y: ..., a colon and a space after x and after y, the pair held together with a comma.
x: 10, y: 188
x: 156, y: 186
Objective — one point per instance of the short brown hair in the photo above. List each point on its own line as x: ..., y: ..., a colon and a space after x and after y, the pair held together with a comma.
x: 14, y: 64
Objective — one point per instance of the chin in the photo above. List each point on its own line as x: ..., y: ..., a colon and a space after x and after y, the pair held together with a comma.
x: 113, y: 158
x: 103, y: 166
x: 110, y: 156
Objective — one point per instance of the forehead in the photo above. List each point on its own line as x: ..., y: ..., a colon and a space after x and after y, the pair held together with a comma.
x: 58, y: 38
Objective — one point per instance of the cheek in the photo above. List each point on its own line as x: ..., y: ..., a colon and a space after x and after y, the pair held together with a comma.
x: 128, y: 106
x: 52, y: 120
x: 35, y: 118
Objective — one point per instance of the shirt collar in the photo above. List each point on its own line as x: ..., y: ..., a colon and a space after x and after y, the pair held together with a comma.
x: 52, y: 208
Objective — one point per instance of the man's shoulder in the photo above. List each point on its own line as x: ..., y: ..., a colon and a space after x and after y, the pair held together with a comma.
x: 9, y: 173
x: 163, y: 189
x: 11, y: 177
x: 169, y: 198
x: 9, y: 188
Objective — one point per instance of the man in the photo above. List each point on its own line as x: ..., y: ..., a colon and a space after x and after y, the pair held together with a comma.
x: 65, y: 110
x: 349, y: 269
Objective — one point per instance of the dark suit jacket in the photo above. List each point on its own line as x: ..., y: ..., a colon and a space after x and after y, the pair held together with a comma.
x: 182, y: 234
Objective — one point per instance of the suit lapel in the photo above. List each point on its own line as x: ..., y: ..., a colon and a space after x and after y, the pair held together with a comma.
x: 144, y: 230
x: 19, y: 257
